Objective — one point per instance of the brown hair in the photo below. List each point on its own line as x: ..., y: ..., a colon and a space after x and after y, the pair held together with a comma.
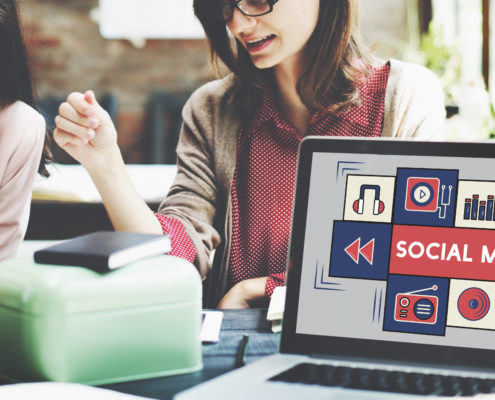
x: 334, y: 63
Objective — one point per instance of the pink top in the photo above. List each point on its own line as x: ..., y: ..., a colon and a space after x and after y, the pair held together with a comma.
x: 22, y: 132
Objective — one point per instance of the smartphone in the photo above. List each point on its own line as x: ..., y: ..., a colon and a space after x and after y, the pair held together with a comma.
x: 211, y: 325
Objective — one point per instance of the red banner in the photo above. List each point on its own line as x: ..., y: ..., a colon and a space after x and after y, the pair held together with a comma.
x: 443, y: 252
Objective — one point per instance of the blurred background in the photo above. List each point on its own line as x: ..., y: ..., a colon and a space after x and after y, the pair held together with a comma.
x: 143, y: 58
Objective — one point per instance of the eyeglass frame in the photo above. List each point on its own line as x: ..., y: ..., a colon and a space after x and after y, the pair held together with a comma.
x: 233, y: 4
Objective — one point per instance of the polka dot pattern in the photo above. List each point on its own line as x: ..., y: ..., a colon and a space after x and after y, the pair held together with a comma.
x: 181, y: 243
x: 264, y: 177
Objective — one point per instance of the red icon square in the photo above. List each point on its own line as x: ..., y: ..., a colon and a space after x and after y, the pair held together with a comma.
x: 422, y: 194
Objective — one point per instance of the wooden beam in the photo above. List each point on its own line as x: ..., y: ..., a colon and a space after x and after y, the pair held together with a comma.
x: 425, y: 12
x: 486, y: 42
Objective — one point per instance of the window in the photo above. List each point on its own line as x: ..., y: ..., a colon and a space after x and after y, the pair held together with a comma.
x: 461, y: 23
x: 148, y: 19
x: 463, y: 26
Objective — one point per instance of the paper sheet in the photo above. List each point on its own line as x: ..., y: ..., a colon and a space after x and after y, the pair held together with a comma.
x: 61, y: 391
x: 72, y: 183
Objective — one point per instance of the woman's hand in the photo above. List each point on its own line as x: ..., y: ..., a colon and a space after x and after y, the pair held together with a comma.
x: 245, y: 294
x: 85, y: 130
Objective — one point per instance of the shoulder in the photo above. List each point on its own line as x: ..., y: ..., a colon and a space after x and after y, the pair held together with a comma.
x: 412, y: 78
x: 414, y: 103
x: 210, y: 110
x: 22, y: 114
x: 22, y: 128
x: 22, y: 134
x: 213, y: 96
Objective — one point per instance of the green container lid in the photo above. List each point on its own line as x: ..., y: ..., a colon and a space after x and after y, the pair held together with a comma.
x: 55, y: 290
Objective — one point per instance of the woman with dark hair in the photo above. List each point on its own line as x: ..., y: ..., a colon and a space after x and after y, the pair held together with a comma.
x: 23, y: 150
x: 298, y: 68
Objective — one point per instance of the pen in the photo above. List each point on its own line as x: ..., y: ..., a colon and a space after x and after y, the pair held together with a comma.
x: 240, y: 359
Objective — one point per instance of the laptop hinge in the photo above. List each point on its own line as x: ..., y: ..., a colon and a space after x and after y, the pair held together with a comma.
x: 404, y: 365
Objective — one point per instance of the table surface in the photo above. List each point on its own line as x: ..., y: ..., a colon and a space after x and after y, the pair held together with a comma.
x: 218, y: 358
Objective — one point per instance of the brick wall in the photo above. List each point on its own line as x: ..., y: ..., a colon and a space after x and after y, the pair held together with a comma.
x: 70, y: 55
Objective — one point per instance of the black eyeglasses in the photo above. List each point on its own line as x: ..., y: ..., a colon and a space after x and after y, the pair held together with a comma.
x: 223, y: 11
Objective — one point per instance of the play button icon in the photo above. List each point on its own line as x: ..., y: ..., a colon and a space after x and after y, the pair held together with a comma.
x: 422, y: 194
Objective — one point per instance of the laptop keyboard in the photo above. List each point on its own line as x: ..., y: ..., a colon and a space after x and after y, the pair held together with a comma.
x: 386, y: 381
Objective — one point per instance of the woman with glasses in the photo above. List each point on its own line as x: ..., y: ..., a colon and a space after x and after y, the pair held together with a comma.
x: 297, y: 68
x: 23, y: 149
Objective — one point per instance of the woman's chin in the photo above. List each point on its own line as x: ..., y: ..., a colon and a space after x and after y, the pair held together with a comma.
x: 263, y: 63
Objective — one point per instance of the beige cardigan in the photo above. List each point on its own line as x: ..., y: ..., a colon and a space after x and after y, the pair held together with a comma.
x: 200, y: 196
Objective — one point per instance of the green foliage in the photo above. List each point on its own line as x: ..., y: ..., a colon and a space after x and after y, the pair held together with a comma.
x: 476, y: 117
x: 491, y: 122
x: 442, y: 59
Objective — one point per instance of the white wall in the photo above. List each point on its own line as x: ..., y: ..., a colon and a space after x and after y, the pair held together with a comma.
x: 384, y: 23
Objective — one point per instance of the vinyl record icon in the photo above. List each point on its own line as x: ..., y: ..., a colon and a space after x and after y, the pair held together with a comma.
x: 473, y: 304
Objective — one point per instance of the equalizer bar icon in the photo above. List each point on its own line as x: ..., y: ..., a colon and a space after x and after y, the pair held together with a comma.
x: 478, y: 210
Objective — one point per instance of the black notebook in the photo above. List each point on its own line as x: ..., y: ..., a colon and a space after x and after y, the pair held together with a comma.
x: 104, y: 250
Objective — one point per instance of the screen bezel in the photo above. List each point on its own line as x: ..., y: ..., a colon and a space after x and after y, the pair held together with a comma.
x: 291, y: 342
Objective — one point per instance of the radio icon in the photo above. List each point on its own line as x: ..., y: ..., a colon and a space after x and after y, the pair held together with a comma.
x: 420, y: 309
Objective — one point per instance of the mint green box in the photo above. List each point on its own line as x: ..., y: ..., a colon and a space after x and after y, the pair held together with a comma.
x: 71, y: 324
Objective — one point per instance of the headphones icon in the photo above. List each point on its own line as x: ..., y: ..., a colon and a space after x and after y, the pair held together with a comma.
x: 378, y: 205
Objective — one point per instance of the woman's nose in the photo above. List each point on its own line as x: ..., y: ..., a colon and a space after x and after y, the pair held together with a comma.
x: 240, y: 23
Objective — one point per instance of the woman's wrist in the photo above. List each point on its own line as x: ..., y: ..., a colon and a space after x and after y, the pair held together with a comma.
x: 254, y: 289
x: 109, y: 174
x: 106, y: 162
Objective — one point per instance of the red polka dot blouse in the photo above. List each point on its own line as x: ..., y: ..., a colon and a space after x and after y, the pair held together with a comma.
x: 264, y: 177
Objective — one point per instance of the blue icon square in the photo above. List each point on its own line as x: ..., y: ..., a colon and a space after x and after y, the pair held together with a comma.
x: 360, y: 250
x: 416, y: 304
x: 425, y: 197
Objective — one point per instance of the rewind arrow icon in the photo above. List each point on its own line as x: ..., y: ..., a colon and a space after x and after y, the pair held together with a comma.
x: 355, y: 249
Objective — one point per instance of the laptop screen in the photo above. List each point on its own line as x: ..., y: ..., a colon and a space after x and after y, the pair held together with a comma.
x: 393, y: 251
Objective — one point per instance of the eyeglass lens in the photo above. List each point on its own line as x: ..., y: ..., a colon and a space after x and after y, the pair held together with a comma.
x: 224, y: 11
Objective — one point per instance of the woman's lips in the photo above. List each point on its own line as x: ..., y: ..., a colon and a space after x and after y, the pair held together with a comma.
x: 259, y: 45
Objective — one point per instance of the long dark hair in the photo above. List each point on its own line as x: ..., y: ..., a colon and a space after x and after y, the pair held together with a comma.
x: 334, y: 64
x: 15, y: 76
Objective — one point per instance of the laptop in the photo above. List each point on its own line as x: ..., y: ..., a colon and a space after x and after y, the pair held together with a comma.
x: 391, y: 276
